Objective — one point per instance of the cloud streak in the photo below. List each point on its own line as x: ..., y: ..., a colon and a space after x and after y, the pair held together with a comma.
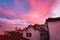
x: 20, y: 12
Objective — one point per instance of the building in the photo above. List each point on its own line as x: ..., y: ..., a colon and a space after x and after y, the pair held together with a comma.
x: 1, y: 31
x: 32, y: 33
x: 44, y: 33
x: 36, y: 32
x: 54, y: 28
x: 13, y: 35
x: 6, y: 37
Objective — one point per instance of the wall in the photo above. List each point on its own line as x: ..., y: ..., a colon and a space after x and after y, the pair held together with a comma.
x: 54, y: 30
x: 35, y: 34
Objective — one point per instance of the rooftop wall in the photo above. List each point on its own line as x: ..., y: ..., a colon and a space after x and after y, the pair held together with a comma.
x: 54, y: 30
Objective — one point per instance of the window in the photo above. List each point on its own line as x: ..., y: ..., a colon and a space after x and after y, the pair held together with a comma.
x: 28, y: 35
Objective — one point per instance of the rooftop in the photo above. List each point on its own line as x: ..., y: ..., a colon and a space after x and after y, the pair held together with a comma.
x: 53, y: 19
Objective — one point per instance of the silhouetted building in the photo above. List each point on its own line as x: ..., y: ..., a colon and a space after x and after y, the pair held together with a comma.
x: 13, y: 35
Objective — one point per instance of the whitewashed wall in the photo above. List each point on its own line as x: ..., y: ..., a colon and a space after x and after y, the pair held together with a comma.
x: 35, y: 34
x: 54, y: 30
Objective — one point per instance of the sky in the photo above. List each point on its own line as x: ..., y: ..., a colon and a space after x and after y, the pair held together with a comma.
x: 22, y: 12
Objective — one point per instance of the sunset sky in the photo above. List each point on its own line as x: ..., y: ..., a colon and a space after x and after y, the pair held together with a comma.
x: 22, y: 12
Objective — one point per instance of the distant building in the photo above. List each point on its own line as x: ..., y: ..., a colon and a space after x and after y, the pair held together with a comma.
x: 13, y: 35
x: 6, y: 37
x: 54, y: 28
x: 1, y: 31
x: 32, y: 32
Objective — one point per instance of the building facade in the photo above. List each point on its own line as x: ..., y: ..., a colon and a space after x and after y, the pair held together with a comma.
x: 31, y: 33
x: 54, y: 28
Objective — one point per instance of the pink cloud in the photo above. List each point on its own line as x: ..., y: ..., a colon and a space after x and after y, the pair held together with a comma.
x: 17, y: 3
